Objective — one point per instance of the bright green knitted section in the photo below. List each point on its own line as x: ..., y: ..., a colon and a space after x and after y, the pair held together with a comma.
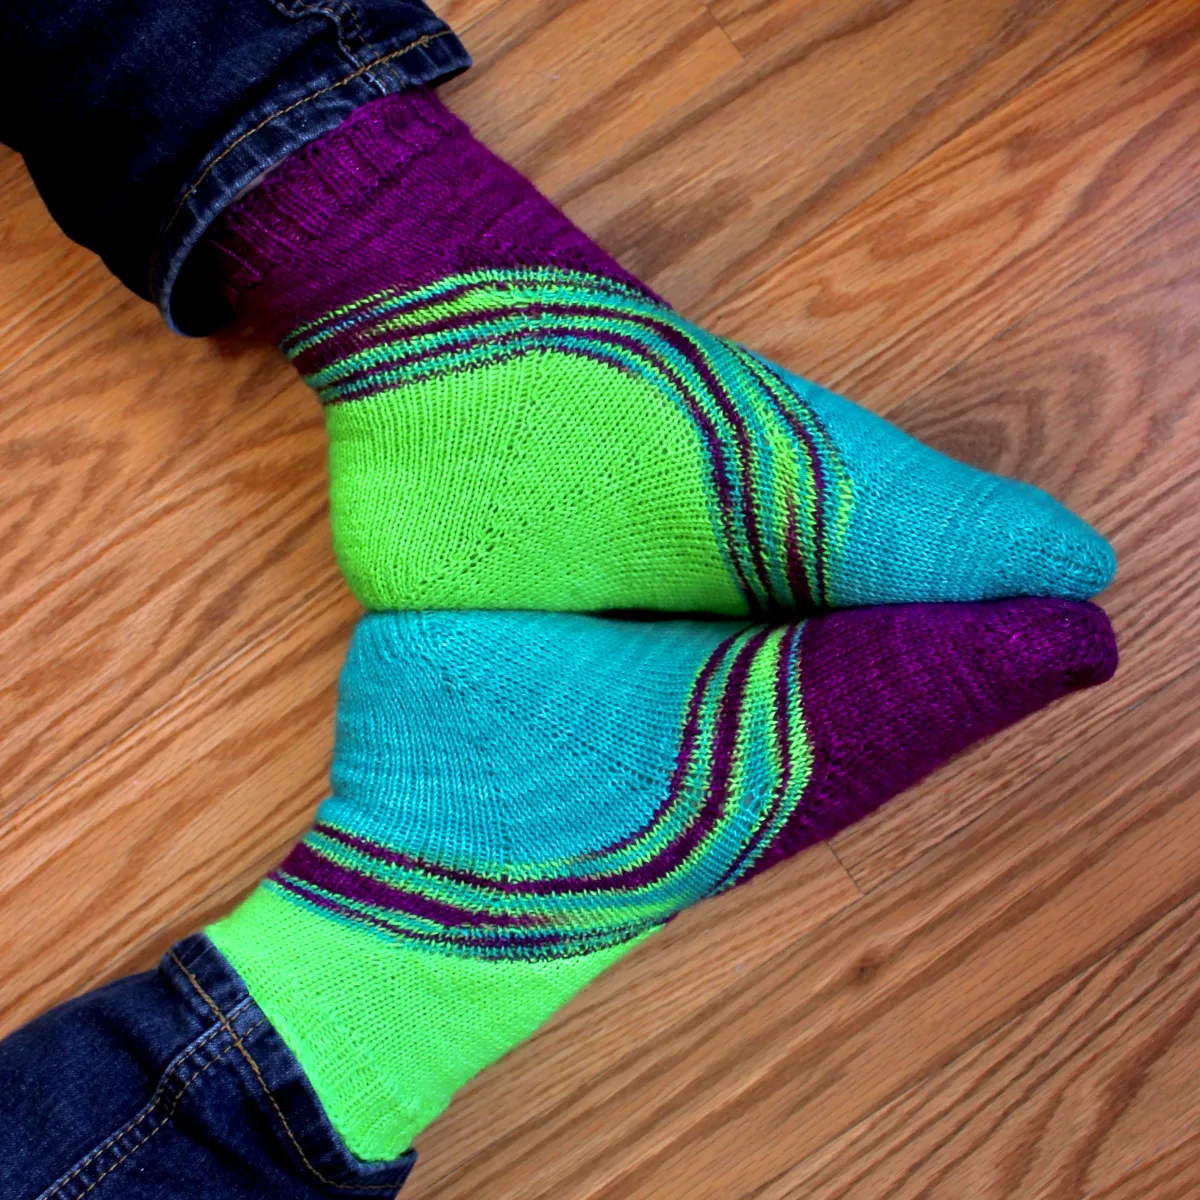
x: 387, y: 1033
x: 498, y: 485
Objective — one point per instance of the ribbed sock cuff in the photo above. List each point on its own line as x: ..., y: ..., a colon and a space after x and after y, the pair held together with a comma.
x: 323, y: 184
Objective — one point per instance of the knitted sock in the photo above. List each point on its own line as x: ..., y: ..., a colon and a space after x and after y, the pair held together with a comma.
x: 520, y: 798
x: 516, y: 422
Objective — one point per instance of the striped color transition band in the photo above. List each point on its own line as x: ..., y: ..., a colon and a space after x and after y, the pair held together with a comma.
x: 779, y: 495
x: 741, y: 768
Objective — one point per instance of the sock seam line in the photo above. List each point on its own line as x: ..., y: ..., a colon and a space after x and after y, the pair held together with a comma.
x: 237, y: 1041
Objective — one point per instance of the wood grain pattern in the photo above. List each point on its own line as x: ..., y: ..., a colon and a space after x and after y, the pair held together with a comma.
x: 1173, y: 1175
x: 561, y: 89
x: 994, y: 222
x: 827, y: 110
x: 982, y: 217
x: 1075, y: 1092
x: 171, y: 507
x: 47, y: 278
x: 463, y: 15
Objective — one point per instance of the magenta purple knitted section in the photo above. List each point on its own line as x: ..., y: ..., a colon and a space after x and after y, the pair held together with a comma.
x: 1036, y: 651
x: 402, y: 181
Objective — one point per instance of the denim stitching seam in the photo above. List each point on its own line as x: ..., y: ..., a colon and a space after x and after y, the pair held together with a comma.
x: 346, y: 11
x: 418, y: 44
x: 262, y: 1083
x: 131, y: 1125
x: 161, y: 1125
x: 159, y: 1093
x: 341, y: 16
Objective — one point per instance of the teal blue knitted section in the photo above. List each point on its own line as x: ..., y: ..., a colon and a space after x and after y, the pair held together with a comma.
x: 599, y: 785
x: 956, y: 538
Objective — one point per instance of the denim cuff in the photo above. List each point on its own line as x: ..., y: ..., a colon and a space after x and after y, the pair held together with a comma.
x: 339, y: 74
x: 139, y: 122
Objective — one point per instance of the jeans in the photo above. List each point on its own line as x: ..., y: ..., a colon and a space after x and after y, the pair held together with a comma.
x: 141, y: 120
x: 168, y: 1085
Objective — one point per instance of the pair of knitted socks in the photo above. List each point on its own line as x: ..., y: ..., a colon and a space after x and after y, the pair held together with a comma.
x: 519, y: 797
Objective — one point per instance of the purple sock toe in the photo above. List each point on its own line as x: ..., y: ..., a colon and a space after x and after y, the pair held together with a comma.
x: 892, y: 693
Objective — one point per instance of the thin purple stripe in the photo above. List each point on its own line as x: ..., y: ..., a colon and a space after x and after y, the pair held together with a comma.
x: 309, y: 866
x: 755, y: 366
x: 683, y: 759
x: 358, y: 339
x: 797, y: 570
x: 783, y: 738
x: 453, y: 935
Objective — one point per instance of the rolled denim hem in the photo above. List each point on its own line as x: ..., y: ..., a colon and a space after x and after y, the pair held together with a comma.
x: 208, y: 985
x: 301, y: 106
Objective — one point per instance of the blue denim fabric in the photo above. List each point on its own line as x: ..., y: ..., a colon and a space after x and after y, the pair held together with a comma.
x: 140, y: 120
x: 168, y: 1085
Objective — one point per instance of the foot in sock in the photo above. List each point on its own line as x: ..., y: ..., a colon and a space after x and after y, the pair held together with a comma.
x: 520, y: 798
x: 516, y: 422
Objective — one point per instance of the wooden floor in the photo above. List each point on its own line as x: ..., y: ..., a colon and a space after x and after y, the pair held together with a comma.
x: 981, y: 218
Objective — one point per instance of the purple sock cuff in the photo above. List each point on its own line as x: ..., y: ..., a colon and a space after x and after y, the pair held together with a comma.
x: 298, y: 204
x: 401, y: 195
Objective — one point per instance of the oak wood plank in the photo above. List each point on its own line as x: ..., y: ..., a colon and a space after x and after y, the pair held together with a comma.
x: 170, y: 509
x: 1173, y: 1175
x: 561, y: 88
x: 1078, y: 1090
x: 1094, y: 398
x: 995, y: 222
x: 47, y: 279
x: 462, y: 15
x: 848, y: 96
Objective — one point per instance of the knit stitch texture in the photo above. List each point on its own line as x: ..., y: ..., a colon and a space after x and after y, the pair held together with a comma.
x: 520, y: 798
x: 517, y: 422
